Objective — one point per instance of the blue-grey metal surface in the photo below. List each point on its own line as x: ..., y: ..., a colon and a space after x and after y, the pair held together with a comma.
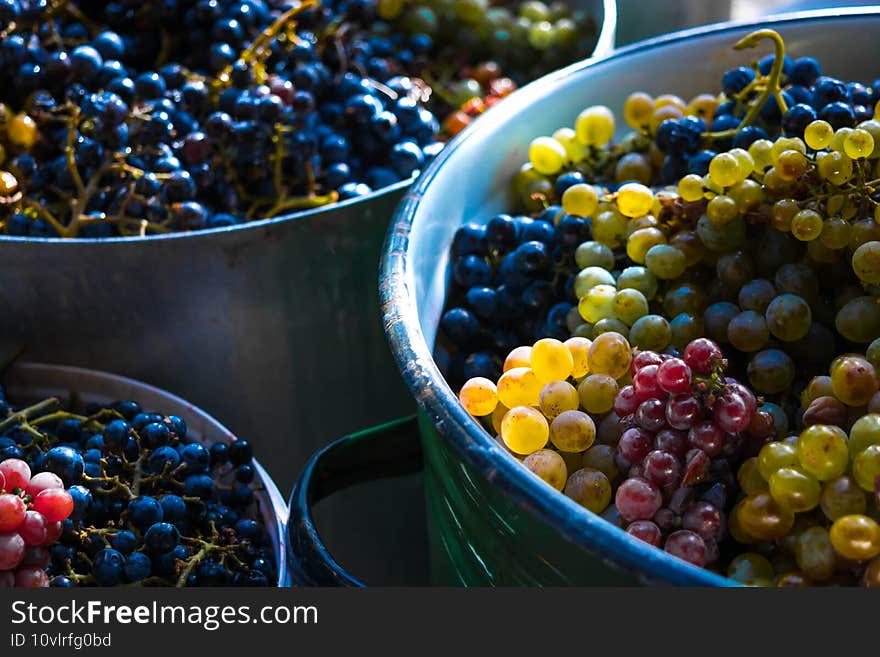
x: 33, y: 381
x: 469, y: 181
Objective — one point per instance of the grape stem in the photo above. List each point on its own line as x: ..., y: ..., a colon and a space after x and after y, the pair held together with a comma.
x: 26, y: 414
x: 770, y: 88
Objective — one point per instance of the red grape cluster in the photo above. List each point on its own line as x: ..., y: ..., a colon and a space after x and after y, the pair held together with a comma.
x: 31, y: 511
x: 686, y: 428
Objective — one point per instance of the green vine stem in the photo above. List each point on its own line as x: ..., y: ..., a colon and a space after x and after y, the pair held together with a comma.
x: 38, y: 409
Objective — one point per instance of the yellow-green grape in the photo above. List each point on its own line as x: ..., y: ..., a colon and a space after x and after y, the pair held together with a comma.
x: 866, y: 468
x: 702, y: 105
x: 724, y: 170
x: 872, y: 127
x: 549, y: 466
x: 651, y: 332
x: 822, y: 451
x: 872, y: 353
x: 858, y: 144
x: 594, y: 254
x: 774, y: 456
x: 640, y: 242
x: 786, y: 144
x: 634, y: 200
x: 836, y: 233
x: 760, y: 150
x: 836, y: 168
x: 547, y: 155
x: 589, y: 278
x: 609, y: 228
x: 839, y: 139
x: 871, y: 576
x: 815, y: 555
x: 575, y: 151
x: 22, y: 130
x: 751, y: 569
x: 776, y: 184
x: 497, y: 416
x: 722, y: 210
x: 597, y: 392
x: 853, y: 380
x: 583, y: 330
x: 598, y: 303
x: 551, y: 360
x: 856, y: 537
x: 638, y: 278
x: 479, y: 396
x: 864, y: 432
x: 795, y: 490
x: 637, y: 110
x: 519, y: 386
x: 664, y: 100
x: 542, y: 36
x: 721, y: 239
x: 841, y: 496
x: 665, y: 262
x: 609, y: 324
x: 747, y: 195
x: 690, y: 188
x: 806, y: 225
x: 633, y: 166
x: 580, y: 200
x: 866, y: 262
x: 580, y: 354
x: 389, y: 9
x: 818, y: 134
x: 595, y: 126
x: 746, y: 162
x: 749, y: 477
x: 524, y: 430
x: 629, y: 305
x: 572, y: 431
x: 610, y: 354
x: 601, y: 457
x: 535, y: 11
x: 819, y: 386
x: 519, y: 357
x: 557, y: 397
x: 763, y: 518
x: 589, y: 488
x: 782, y: 213
x: 791, y: 165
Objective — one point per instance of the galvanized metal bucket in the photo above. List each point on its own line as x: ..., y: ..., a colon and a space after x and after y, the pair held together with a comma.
x: 30, y: 382
x: 273, y: 326
x: 492, y: 522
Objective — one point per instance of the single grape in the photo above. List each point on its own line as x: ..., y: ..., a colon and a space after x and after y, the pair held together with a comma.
x: 841, y: 496
x: 748, y: 331
x: 856, y: 537
x: 601, y: 458
x: 866, y: 468
x: 16, y: 472
x: 646, y: 531
x: 524, y: 430
x: 702, y: 356
x: 683, y: 411
x: 651, y: 332
x: 558, y: 397
x: 580, y: 200
x: 12, y: 549
x: 627, y: 401
x: 822, y: 451
x: 762, y: 517
x: 662, y: 468
x: 638, y: 278
x: 479, y: 396
x: 637, y: 499
x: 610, y: 353
x: 551, y: 360
x: 12, y: 512
x: 589, y: 278
x: 594, y: 254
x: 774, y: 456
x: 815, y: 554
x: 687, y: 546
x: 519, y: 357
x: 634, y: 445
x: 749, y: 477
x: 519, y: 387
x: 572, y: 431
x: 548, y: 466
x: 597, y: 392
x: 707, y: 437
x: 751, y: 569
x: 630, y: 305
x: 634, y: 199
x: 795, y: 490
x: 641, y: 241
x: 864, y: 432
x: 597, y: 303
x: 665, y: 262
x: 589, y: 488
x: 771, y: 371
x: 595, y: 126
x: 546, y: 155
x: 651, y: 415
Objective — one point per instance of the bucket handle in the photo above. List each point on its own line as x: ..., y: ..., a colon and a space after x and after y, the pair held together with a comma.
x: 387, y: 450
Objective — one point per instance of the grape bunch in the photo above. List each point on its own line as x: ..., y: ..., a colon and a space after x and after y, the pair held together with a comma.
x: 32, y: 509
x: 126, y: 496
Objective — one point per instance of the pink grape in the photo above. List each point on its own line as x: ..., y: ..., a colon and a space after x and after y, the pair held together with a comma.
x: 36, y: 555
x: 651, y: 415
x: 746, y: 394
x: 2, y: 481
x: 701, y: 355
x: 643, y: 358
x: 731, y: 412
x: 12, y: 510
x: 704, y: 520
x: 707, y: 437
x: 634, y: 445
x: 31, y: 577
x: 34, y: 528
x: 688, y: 546
x: 674, y: 376
x: 646, y: 531
x: 53, y: 532
x: 626, y: 402
x: 638, y: 499
x: 696, y: 467
x: 17, y: 474
x: 683, y: 411
x: 662, y: 468
x: 672, y: 441
x: 55, y: 504
x: 11, y: 550
x: 43, y: 481
x: 645, y: 384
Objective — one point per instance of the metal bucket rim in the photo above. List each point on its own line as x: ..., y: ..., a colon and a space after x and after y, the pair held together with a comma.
x: 604, y: 45
x: 439, y: 402
x: 273, y: 496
